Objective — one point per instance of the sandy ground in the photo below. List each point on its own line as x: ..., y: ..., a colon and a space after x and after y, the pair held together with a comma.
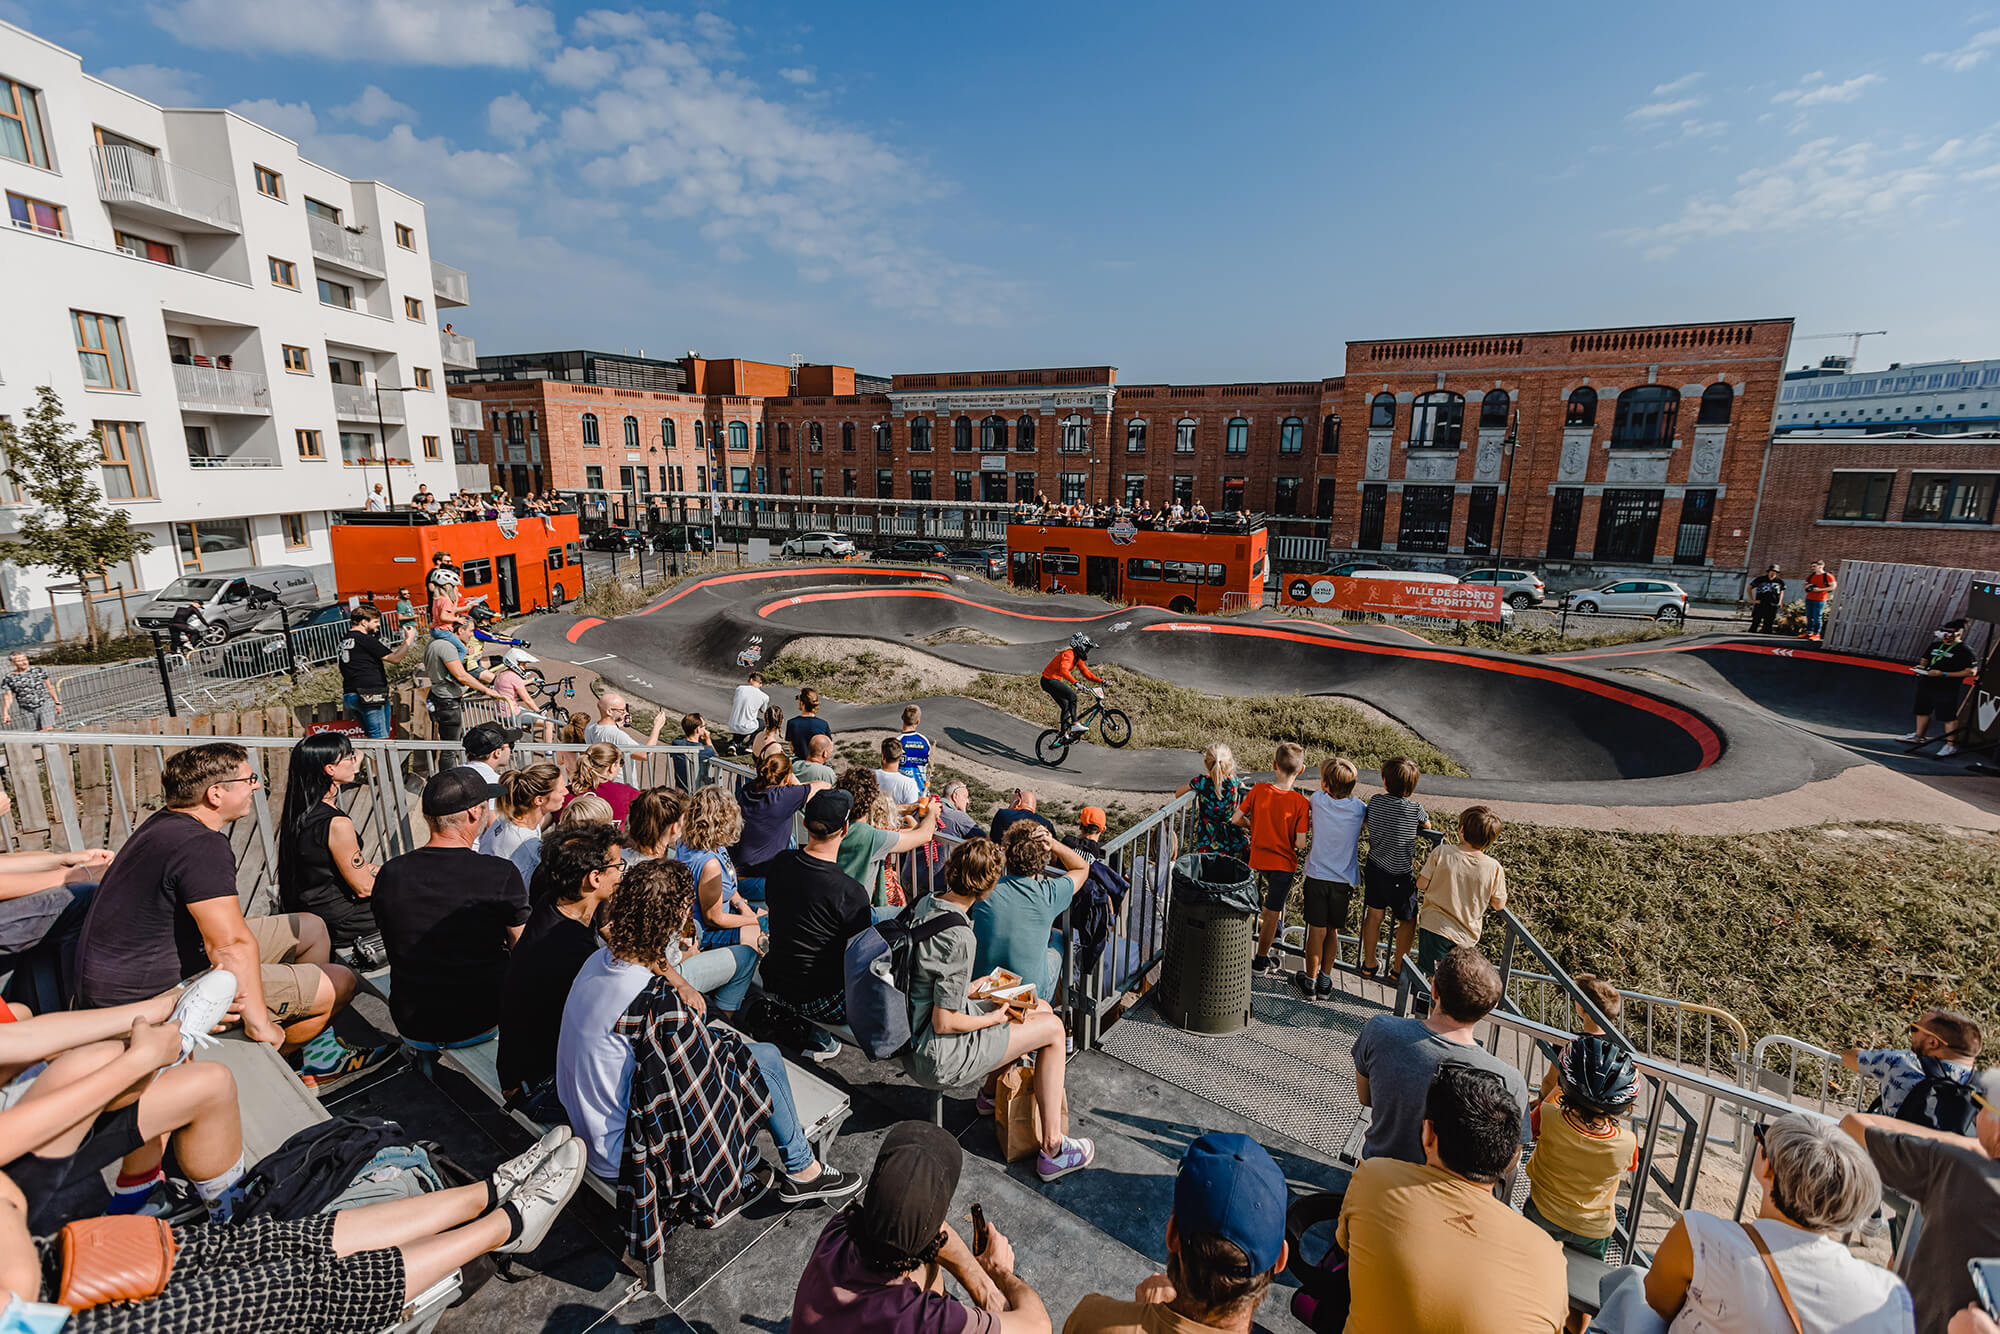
x: 938, y: 676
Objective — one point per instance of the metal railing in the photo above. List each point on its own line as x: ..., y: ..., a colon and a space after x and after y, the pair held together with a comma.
x: 463, y: 414
x: 351, y: 249
x: 449, y: 285
x: 1828, y: 1086
x: 355, y: 402
x: 1659, y: 1026
x: 213, y: 389
x: 457, y: 350
x: 128, y: 175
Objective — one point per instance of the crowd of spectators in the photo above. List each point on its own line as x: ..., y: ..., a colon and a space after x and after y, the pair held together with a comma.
x: 474, y: 506
x: 1192, y: 517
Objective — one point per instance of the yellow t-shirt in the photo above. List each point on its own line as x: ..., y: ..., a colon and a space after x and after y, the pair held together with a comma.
x: 1574, y: 1174
x: 1434, y: 1252
x: 1462, y: 885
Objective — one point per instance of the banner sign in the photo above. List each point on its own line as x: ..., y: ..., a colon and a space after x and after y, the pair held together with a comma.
x: 1392, y: 597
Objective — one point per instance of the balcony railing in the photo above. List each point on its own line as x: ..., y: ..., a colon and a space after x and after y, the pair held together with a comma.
x: 464, y: 414
x: 457, y: 350
x: 349, y: 249
x: 356, y: 403
x: 232, y: 461
x: 212, y: 389
x: 450, y: 285
x: 146, y: 180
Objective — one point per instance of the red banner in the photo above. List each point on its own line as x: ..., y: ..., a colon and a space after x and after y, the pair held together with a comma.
x: 1392, y: 597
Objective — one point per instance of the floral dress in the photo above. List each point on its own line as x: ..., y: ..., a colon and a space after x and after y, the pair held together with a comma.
x: 1213, y: 830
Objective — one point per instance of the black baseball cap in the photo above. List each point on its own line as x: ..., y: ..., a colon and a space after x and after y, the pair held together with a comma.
x: 486, y: 738
x: 459, y: 788
x: 909, y: 1193
x: 827, y: 811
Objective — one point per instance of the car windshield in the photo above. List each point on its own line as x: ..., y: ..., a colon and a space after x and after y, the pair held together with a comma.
x: 192, y: 589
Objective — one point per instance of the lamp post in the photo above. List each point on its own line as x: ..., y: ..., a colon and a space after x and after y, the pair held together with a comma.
x: 1507, y: 497
x: 382, y: 437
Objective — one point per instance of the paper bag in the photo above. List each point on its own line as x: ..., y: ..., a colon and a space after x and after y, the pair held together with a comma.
x: 1017, y: 1117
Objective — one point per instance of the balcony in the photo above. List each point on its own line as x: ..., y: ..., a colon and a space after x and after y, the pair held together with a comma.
x: 356, y: 403
x: 212, y: 389
x: 458, y: 350
x: 214, y: 461
x: 354, y: 251
x: 165, y: 191
x: 464, y: 414
x: 449, y: 286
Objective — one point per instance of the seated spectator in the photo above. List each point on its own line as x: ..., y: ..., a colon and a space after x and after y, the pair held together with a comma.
x: 1817, y: 1184
x: 1955, y: 1181
x: 489, y: 748
x: 1395, y: 1057
x: 879, y: 1265
x: 954, y: 817
x: 1089, y: 836
x: 614, y: 716
x: 769, y: 802
x: 1584, y: 1146
x: 320, y: 867
x: 1020, y: 806
x: 1943, y: 1046
x: 1459, y: 883
x: 876, y: 833
x: 44, y: 897
x: 449, y: 916
x: 1225, y: 1243
x: 770, y: 733
x: 806, y: 724
x: 576, y: 731
x: 1012, y: 925
x: 529, y: 799
x: 167, y: 909
x: 955, y: 1040
x: 1607, y: 999
x: 580, y: 869
x: 689, y: 770
x: 897, y: 785
x: 816, y: 909
x: 1429, y: 1247
x: 633, y: 1031
x: 596, y: 773
x: 724, y: 917
x: 586, y: 809
x: 653, y: 824
x: 818, y: 764
x: 1218, y: 792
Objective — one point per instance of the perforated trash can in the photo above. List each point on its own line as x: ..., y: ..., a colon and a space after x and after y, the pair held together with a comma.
x: 1211, y: 937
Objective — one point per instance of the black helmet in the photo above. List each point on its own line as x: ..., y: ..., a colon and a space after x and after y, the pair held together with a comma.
x: 1082, y: 642
x: 1597, y: 1075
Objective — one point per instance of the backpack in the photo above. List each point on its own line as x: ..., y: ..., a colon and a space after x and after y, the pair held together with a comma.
x: 1940, y: 1100
x: 879, y: 961
x: 311, y: 1169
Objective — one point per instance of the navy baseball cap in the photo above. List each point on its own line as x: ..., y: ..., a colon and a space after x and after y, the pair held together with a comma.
x: 1229, y: 1187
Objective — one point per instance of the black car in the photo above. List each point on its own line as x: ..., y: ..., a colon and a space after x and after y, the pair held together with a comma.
x: 916, y: 549
x: 988, y: 562
x: 614, y: 539
x: 682, y: 537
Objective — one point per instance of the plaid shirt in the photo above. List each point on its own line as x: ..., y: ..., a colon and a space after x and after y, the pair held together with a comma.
x: 697, y: 1101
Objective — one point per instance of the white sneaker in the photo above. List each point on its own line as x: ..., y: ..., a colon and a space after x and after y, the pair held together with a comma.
x: 551, y: 1186
x: 1912, y: 738
x: 512, y: 1174
x: 1947, y: 749
x: 200, y: 1008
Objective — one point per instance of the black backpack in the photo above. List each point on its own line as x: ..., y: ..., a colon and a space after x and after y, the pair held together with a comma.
x: 1941, y: 1099
x: 304, y: 1174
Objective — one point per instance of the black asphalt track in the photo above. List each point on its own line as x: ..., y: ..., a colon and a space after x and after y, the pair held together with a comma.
x: 1583, y: 729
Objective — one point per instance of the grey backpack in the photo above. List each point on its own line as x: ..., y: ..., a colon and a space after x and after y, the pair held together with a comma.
x: 878, y: 964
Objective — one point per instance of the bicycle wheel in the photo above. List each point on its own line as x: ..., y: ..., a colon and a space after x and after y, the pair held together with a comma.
x: 1052, y: 747
x: 533, y: 676
x: 556, y: 714
x: 1115, y: 727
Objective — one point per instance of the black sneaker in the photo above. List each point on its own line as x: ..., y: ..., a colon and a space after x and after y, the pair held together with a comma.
x: 1323, y: 988
x: 1261, y: 964
x: 831, y: 1184
x: 1303, y: 981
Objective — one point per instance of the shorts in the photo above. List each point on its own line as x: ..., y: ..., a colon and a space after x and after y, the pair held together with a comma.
x: 1595, y: 1247
x: 291, y: 990
x: 62, y: 1189
x: 1431, y: 949
x: 1389, y: 892
x: 1937, y: 695
x: 1326, y: 902
x: 1276, y: 887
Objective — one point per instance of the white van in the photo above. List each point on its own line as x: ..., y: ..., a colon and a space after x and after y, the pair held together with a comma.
x: 233, y: 600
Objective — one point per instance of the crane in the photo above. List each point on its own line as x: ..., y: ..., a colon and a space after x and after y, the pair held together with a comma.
x: 1854, y: 351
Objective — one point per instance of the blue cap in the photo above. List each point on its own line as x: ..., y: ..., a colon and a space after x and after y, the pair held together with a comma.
x: 1230, y: 1188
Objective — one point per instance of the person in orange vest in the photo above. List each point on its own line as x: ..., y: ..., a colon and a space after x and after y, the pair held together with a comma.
x: 1819, y: 588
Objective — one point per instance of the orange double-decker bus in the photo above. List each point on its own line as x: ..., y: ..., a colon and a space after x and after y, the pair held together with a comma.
x: 1207, y: 569
x: 529, y: 563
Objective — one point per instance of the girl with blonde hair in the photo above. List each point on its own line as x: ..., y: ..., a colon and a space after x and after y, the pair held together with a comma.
x: 713, y: 822
x: 596, y: 772
x: 1218, y: 792
x: 529, y: 798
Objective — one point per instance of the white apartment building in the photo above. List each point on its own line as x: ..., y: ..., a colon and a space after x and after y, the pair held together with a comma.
x: 254, y: 338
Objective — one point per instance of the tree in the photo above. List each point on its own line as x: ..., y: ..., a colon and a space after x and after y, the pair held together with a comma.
x: 71, y: 527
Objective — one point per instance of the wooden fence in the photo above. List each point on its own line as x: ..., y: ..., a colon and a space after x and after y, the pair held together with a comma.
x: 1890, y: 611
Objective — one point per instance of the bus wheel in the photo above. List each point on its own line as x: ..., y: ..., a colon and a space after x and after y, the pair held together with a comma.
x: 1052, y: 747
x: 1183, y: 606
x: 557, y: 595
x: 1115, y: 727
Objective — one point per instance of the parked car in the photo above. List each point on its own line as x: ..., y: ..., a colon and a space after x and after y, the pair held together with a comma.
x: 1519, y: 588
x: 820, y: 544
x: 1657, y: 598
x: 988, y: 561
x: 915, y: 549
x: 262, y: 650
x: 231, y: 603
x: 614, y: 539
x: 682, y: 537
x: 1351, y: 567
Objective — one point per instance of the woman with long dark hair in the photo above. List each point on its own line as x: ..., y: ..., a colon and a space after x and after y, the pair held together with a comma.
x: 768, y: 802
x: 320, y: 866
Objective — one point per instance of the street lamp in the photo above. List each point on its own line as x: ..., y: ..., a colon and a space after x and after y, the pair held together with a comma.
x: 382, y: 435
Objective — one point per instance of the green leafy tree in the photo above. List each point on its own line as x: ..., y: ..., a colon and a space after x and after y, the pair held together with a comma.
x: 71, y: 526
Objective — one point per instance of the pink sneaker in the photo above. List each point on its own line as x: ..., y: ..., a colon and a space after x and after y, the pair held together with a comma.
x: 1073, y: 1156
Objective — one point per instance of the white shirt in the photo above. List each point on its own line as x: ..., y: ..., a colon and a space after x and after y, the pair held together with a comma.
x: 610, y: 732
x: 1835, y: 1292
x: 898, y: 787
x: 1336, y: 826
x: 376, y: 502
x: 745, y: 710
x: 492, y: 776
x: 593, y: 1064
x: 500, y: 838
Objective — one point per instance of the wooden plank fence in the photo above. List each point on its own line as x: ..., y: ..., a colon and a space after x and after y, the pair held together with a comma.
x: 1887, y: 610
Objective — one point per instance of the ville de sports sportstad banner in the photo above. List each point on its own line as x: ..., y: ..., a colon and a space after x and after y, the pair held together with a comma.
x: 1391, y: 597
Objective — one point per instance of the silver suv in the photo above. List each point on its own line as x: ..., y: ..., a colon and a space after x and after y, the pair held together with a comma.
x: 1519, y: 588
x: 819, y: 544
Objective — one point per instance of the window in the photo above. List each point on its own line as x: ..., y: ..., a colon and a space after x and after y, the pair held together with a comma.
x: 920, y: 484
x: 1232, y: 493
x: 666, y: 433
x: 993, y: 435
x: 1859, y: 495
x: 1324, y: 494
x: 297, y: 360
x: 1628, y: 524
x: 784, y: 437
x: 406, y: 237
x: 197, y: 443
x: 1937, y: 497
x: 431, y: 450
x: 413, y: 309
x: 1479, y: 520
x: 850, y: 484
x: 140, y: 247
x: 100, y: 349
x: 961, y: 485
x: 1075, y: 434
x: 1291, y: 436
x: 1138, y: 568
x: 815, y: 437
x: 920, y: 435
x: 1024, y: 486
x: 215, y: 544
x: 1184, y: 488
x: 961, y: 434
x: 1024, y: 436
x: 270, y: 183
x: 1426, y: 520
x: 357, y: 448
x: 284, y: 273
x: 1582, y: 408
x: 476, y: 572
x: 1135, y: 487
x: 739, y: 435
x: 1565, y: 516
x: 1645, y: 417
x: 1329, y: 435
x: 336, y: 294
x: 590, y: 429
x: 847, y: 437
x: 760, y: 437
x: 1374, y: 509
x: 36, y: 215
x: 593, y: 477
x: 1135, y: 437
x: 885, y: 484
x: 295, y: 530
x: 1285, y: 497
x: 1437, y: 421
x: 1493, y: 409
x: 21, y: 136
x: 1716, y: 401
x: 126, y: 476
x: 1236, y: 437
x: 319, y: 210
x: 423, y: 375
x: 1382, y: 412
x: 885, y: 437
x: 1697, y: 515
x: 309, y: 445
x: 784, y: 481
x: 631, y: 425
x: 1070, y: 487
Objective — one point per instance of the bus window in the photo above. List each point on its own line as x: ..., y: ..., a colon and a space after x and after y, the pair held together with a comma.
x: 1062, y: 562
x: 555, y: 558
x: 477, y: 572
x: 1137, y: 568
x: 1257, y: 568
x: 573, y: 552
x: 1216, y: 576
x: 1183, y: 572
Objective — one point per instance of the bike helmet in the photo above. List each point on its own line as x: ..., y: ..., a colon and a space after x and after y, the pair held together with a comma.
x: 1082, y: 642
x: 514, y: 657
x: 1597, y: 1075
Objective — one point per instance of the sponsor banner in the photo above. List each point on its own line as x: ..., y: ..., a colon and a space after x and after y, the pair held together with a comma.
x: 1124, y: 532
x: 349, y: 726
x: 1392, y: 597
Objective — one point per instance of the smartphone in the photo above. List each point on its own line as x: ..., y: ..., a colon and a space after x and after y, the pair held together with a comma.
x: 1985, y: 1279
x: 981, y: 1235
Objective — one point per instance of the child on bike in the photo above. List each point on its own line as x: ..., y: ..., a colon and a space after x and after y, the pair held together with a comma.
x: 1059, y: 676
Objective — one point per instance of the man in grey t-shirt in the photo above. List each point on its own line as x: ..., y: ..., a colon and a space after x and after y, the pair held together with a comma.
x: 1394, y: 1058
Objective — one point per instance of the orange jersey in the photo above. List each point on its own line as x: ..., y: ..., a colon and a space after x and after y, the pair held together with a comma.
x: 1064, y: 663
x: 1819, y: 587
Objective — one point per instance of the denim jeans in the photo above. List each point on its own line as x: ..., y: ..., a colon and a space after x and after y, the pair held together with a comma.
x: 723, y: 973
x: 793, y: 1149
x: 374, y: 718
x: 1815, y: 614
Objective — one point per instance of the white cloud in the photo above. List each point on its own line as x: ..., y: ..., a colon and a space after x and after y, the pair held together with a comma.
x: 375, y: 106
x: 1685, y: 81
x: 295, y: 120
x: 1990, y: 173
x: 1947, y: 151
x: 426, y: 168
x: 796, y: 75
x: 508, y: 33
x: 157, y: 83
x: 1659, y: 110
x: 581, y: 67
x: 1971, y: 55
x: 613, y: 23
x: 1824, y: 93
x: 1701, y: 129
x: 511, y: 117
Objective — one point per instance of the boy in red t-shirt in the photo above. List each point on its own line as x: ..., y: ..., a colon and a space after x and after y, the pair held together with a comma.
x: 1279, y: 818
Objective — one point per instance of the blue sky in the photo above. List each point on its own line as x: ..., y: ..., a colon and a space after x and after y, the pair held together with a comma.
x: 1187, y: 192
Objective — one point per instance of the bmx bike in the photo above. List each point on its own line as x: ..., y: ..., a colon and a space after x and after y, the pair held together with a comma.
x: 549, y: 709
x: 1052, y: 746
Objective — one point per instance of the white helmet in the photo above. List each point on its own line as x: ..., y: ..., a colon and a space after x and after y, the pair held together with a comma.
x: 514, y: 657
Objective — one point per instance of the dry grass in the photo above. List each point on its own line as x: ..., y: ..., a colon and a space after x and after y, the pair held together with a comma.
x: 1535, y: 639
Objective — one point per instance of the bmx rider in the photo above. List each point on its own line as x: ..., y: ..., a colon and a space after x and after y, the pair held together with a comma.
x: 1058, y: 679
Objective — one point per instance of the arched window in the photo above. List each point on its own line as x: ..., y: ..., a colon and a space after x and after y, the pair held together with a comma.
x: 885, y: 438
x: 815, y: 439
x: 847, y: 437
x: 666, y: 433
x: 1716, y: 401
x: 993, y: 435
x: 1437, y: 419
x: 961, y: 434
x: 1382, y: 412
x: 631, y: 433
x: 1494, y: 407
x: 1329, y: 435
x: 1075, y: 434
x: 920, y: 434
x: 739, y: 435
x: 1291, y: 436
x: 1184, y: 435
x: 784, y: 437
x: 590, y: 428
x: 1646, y: 417
x: 1135, y: 437
x: 1237, y: 438
x: 1582, y: 408
x: 760, y: 437
x: 698, y: 439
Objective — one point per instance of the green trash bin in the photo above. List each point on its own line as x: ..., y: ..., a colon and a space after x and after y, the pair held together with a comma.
x: 1211, y: 938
